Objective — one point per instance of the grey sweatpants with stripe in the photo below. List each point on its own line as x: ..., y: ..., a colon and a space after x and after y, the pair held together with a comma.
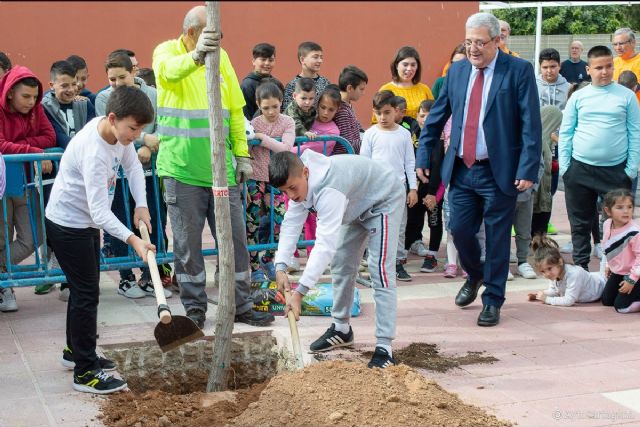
x: 188, y: 207
x: 382, y: 228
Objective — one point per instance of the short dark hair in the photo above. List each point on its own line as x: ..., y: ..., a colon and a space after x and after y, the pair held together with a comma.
x: 305, y: 84
x: 263, y: 50
x: 400, y: 101
x: 62, y: 68
x: 382, y: 98
x: 148, y: 76
x: 281, y: 166
x: 5, y: 62
x: 128, y: 101
x: 333, y: 93
x: 403, y: 53
x: 598, y: 52
x: 268, y: 89
x: 118, y: 60
x: 549, y: 54
x: 127, y: 52
x: 29, y: 81
x: 305, y: 47
x: 353, y: 76
x: 426, y: 105
x: 628, y: 79
x: 78, y: 62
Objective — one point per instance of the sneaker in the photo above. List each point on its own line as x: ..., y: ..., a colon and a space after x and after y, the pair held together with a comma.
x: 510, y: 276
x: 567, y: 249
x: 43, y: 289
x: 332, y: 339
x: 165, y: 276
x: 106, y: 251
x: 401, y: 273
x: 463, y: 273
x: 418, y: 248
x: 513, y: 258
x: 429, y: 264
x: 270, y: 269
x: 98, y: 382
x: 67, y: 361
x: 197, y: 316
x: 146, y: 286
x: 526, y: 271
x: 293, y: 266
x: 255, y: 318
x: 597, y: 251
x: 450, y: 271
x: 381, y: 359
x: 129, y: 288
x: 551, y: 229
x: 8, y: 300
x: 258, y: 276
x: 64, y: 293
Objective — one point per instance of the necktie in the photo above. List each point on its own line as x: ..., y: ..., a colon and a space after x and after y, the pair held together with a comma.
x: 473, y: 119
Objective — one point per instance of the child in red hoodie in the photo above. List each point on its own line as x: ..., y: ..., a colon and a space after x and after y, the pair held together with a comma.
x: 24, y: 128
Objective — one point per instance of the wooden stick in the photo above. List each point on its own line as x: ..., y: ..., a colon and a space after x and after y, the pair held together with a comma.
x: 161, y: 300
x: 224, y: 241
x: 295, y: 338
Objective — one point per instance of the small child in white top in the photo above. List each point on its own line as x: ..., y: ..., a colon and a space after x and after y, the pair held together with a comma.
x: 390, y: 144
x: 79, y: 206
x: 568, y: 284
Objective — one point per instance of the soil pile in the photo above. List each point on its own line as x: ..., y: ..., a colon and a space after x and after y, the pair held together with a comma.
x: 332, y: 393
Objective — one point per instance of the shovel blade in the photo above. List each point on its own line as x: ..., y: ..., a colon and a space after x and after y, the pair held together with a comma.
x: 180, y: 330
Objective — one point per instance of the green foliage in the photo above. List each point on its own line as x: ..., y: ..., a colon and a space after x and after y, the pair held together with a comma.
x: 572, y: 20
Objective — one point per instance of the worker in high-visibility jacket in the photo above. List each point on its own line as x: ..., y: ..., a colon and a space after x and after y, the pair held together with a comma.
x: 184, y: 162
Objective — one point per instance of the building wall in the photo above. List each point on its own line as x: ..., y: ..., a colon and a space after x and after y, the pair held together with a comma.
x: 365, y: 34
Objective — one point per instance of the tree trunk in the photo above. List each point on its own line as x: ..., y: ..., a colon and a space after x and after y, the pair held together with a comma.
x: 221, y: 362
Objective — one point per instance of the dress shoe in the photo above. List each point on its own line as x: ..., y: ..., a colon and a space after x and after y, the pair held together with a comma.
x: 468, y: 292
x: 489, y: 316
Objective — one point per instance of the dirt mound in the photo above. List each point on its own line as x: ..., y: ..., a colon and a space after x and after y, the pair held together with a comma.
x: 332, y: 393
x: 427, y: 356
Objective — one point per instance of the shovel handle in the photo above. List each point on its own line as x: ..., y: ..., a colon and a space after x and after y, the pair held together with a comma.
x: 295, y: 338
x: 163, y: 309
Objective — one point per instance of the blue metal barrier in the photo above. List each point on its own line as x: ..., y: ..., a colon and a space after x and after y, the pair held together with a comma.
x: 20, y: 170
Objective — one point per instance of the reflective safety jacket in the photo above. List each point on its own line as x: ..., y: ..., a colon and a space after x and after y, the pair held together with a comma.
x: 183, y: 116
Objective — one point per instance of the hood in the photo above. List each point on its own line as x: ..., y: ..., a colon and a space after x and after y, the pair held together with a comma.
x: 9, y: 80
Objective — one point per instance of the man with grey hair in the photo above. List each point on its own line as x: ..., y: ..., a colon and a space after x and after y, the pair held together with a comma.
x: 574, y: 69
x: 184, y: 162
x: 505, y: 32
x: 624, y: 44
x: 494, y: 155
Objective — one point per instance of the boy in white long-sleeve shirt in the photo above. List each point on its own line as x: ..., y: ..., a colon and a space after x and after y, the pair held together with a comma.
x: 355, y: 199
x: 389, y: 143
x: 79, y: 206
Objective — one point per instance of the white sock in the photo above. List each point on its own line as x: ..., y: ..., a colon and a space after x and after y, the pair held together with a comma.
x: 343, y: 328
x: 452, y: 252
x: 386, y: 347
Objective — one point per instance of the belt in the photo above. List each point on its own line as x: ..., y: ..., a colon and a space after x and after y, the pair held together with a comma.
x: 477, y: 162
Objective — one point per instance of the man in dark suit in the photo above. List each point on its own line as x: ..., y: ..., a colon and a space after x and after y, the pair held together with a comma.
x: 494, y: 154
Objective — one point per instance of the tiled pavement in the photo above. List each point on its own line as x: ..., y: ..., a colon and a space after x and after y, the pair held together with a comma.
x: 577, y: 366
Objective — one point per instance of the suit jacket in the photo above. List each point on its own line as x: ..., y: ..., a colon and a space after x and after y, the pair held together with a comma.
x: 512, y: 125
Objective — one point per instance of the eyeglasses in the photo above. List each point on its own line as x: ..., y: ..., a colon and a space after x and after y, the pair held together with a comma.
x: 477, y: 43
x: 620, y: 43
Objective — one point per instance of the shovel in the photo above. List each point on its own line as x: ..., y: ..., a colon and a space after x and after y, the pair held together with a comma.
x: 295, y: 338
x: 172, y: 331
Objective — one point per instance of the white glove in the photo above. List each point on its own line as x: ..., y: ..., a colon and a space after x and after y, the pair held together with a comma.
x: 208, y: 41
x: 243, y: 169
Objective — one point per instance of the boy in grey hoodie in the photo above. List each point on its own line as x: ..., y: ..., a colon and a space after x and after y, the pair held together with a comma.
x: 552, y: 86
x: 355, y: 199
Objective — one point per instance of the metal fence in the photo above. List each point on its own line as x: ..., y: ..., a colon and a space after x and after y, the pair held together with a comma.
x: 22, y: 180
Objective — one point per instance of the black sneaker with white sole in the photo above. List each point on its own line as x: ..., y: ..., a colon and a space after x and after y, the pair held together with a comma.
x: 97, y: 381
x: 381, y: 359
x: 197, y: 316
x: 67, y: 361
x: 332, y: 339
x: 401, y: 273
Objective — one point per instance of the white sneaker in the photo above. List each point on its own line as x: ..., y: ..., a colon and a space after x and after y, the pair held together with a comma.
x: 509, y: 276
x: 130, y: 289
x: 597, y: 251
x: 567, y: 249
x: 512, y: 258
x: 150, y: 291
x: 294, y: 265
x: 8, y: 300
x: 526, y: 271
x: 64, y: 294
x: 418, y: 248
